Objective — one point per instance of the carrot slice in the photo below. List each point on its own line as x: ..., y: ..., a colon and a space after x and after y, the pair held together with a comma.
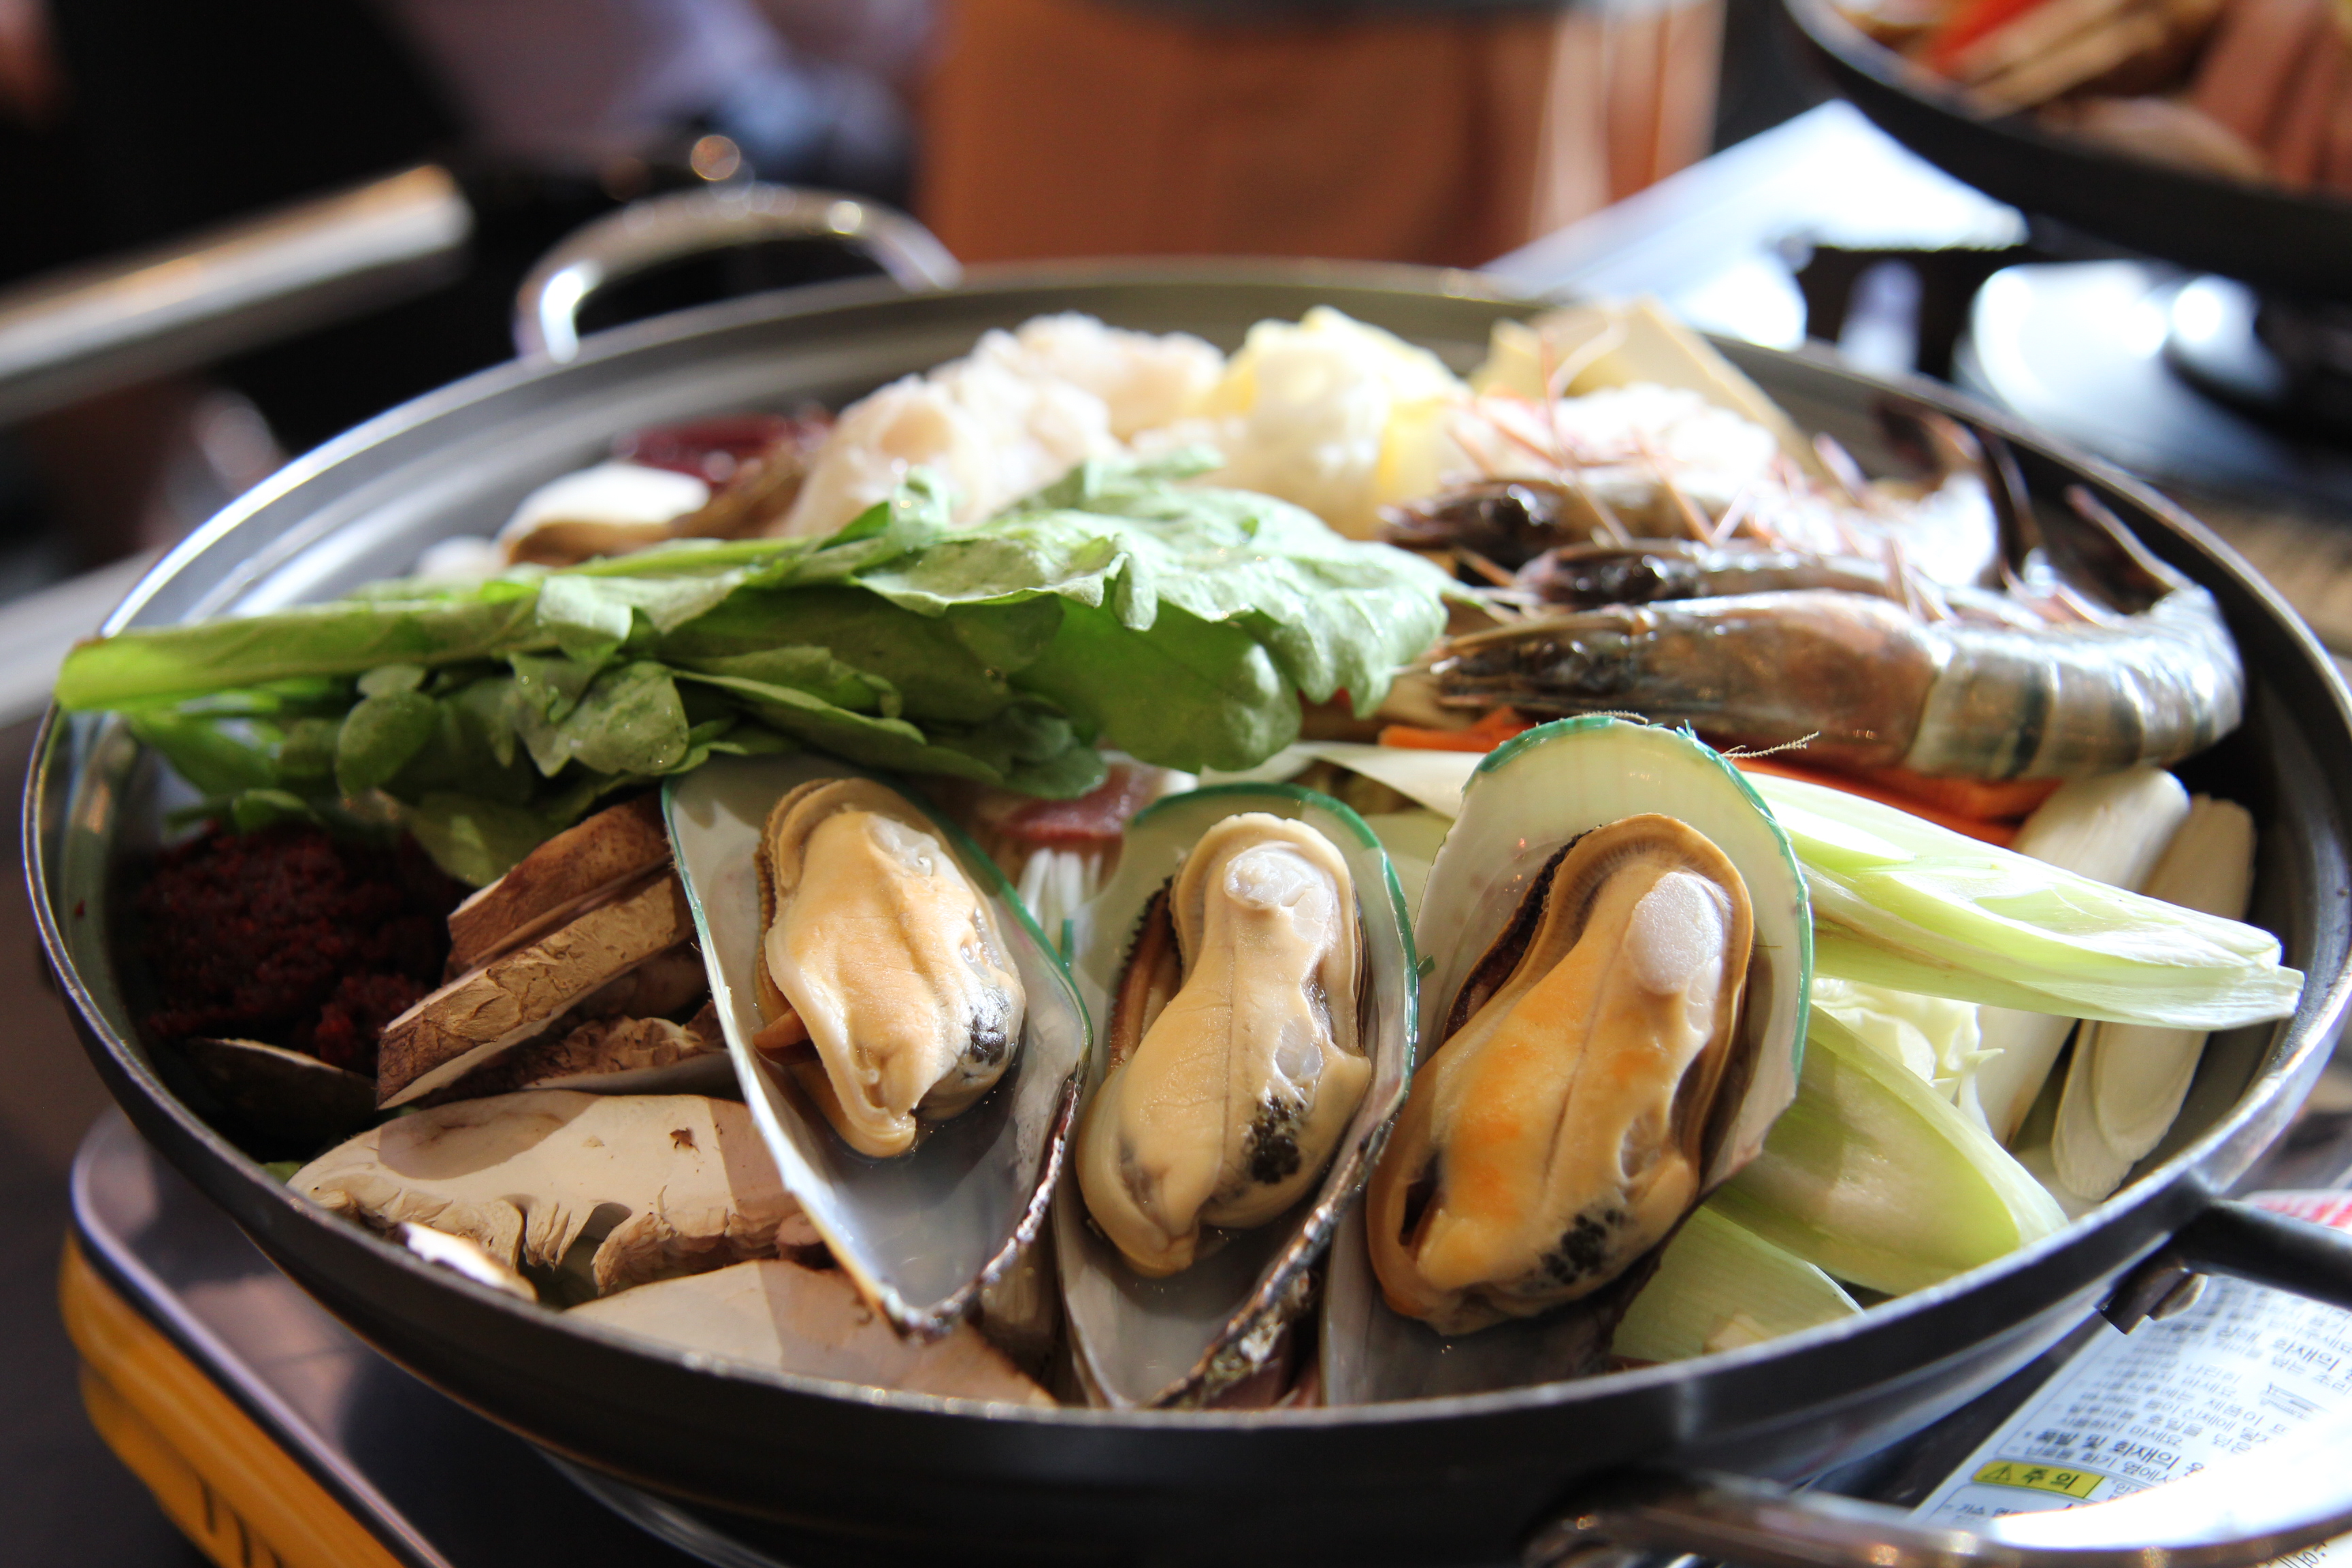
x: 1487, y: 733
x: 1986, y: 800
x: 2001, y: 834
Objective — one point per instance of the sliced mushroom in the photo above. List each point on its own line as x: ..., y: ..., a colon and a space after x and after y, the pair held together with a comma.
x: 609, y: 1055
x: 662, y: 986
x: 753, y: 500
x: 524, y: 1175
x: 557, y: 881
x: 464, y: 1255
x: 520, y: 993
x: 813, y: 1323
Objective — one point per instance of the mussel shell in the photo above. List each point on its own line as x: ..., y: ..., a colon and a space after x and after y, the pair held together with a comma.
x: 282, y: 1093
x: 1183, y: 1339
x: 1530, y: 796
x: 922, y: 1234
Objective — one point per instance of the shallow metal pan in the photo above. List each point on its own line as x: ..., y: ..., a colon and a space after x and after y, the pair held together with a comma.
x: 1451, y: 1480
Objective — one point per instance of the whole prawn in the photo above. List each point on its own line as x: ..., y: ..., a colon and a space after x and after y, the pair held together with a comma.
x: 2037, y: 683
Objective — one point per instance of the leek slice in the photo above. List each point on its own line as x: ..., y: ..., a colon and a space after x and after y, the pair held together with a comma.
x: 1874, y: 1177
x: 1953, y: 917
x: 1935, y: 1037
x: 1720, y: 1286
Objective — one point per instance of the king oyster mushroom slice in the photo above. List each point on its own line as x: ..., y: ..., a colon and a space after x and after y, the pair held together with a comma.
x: 281, y: 1093
x: 922, y: 1233
x: 525, y: 1175
x: 547, y: 927
x: 1570, y: 1212
x: 1185, y: 1336
x: 611, y: 1053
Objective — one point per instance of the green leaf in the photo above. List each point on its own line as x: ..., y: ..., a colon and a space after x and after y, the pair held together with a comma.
x: 927, y: 660
x: 255, y: 809
x: 205, y: 753
x: 475, y: 840
x: 347, y: 637
x: 1333, y: 613
x: 862, y: 738
x: 306, y: 757
x: 1191, y: 695
x: 380, y: 736
x: 918, y: 515
x: 1180, y: 623
x: 472, y: 748
x: 552, y: 685
x: 390, y: 680
x: 629, y: 721
x: 1032, y: 748
x: 811, y: 669
x: 592, y: 615
x: 588, y: 619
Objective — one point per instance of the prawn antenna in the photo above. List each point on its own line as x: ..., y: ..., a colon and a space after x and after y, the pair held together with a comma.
x: 1755, y: 754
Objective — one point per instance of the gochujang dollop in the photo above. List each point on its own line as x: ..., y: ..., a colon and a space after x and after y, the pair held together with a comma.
x: 292, y: 936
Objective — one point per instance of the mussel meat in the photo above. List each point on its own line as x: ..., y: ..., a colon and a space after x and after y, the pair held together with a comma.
x: 882, y: 948
x: 1234, y: 1059
x: 1556, y: 1135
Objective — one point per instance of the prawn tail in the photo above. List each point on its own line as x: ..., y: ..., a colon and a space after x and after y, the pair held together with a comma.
x: 2080, y: 699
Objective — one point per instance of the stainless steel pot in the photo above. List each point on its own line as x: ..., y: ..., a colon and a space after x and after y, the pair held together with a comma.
x: 1549, y: 1470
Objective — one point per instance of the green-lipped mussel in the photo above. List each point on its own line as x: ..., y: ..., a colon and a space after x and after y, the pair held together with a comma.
x: 922, y: 1039
x: 1619, y: 946
x: 1251, y: 964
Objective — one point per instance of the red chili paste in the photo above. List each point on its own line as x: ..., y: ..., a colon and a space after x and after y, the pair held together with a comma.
x: 294, y: 938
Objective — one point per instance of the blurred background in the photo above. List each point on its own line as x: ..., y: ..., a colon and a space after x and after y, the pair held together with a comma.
x: 1445, y: 134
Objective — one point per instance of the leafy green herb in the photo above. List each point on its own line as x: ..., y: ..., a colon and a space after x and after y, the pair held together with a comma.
x: 1116, y: 607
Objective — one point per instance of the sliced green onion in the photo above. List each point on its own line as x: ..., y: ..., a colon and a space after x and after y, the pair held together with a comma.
x: 1872, y: 1176
x: 1720, y: 1286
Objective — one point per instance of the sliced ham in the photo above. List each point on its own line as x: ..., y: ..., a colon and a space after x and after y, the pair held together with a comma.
x: 1098, y: 816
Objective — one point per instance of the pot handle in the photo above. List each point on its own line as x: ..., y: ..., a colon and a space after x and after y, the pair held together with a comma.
x: 650, y: 233
x: 2243, y: 1511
